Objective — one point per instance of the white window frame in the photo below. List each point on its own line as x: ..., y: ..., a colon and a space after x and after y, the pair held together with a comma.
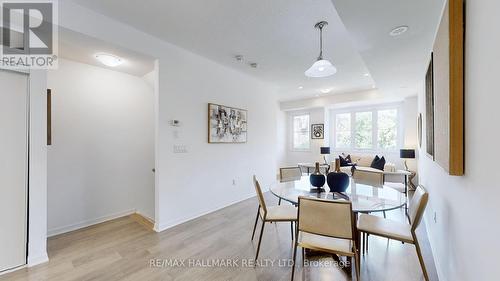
x: 374, y: 109
x: 292, y: 132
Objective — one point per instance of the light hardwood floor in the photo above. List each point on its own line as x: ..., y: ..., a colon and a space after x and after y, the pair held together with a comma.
x: 122, y: 249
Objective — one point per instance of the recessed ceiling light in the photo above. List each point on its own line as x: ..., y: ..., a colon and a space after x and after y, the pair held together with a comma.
x: 108, y: 59
x: 325, y: 91
x: 301, y: 87
x: 398, y: 30
x: 373, y: 86
x: 366, y: 74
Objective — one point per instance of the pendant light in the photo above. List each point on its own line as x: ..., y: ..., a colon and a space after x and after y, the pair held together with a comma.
x: 322, y: 67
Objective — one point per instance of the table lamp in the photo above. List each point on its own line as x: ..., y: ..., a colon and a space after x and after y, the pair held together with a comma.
x: 407, y: 154
x: 324, y: 152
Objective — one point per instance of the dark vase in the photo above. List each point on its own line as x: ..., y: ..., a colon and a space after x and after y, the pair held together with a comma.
x: 338, y: 181
x: 317, y: 179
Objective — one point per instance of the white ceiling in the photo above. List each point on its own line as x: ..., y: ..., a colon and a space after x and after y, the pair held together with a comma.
x: 279, y: 36
x: 82, y: 48
x: 397, y: 64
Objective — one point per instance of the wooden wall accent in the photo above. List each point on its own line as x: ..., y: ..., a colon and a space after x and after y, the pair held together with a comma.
x: 457, y: 34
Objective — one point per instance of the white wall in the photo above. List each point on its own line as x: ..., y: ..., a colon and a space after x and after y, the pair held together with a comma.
x: 102, y: 154
x: 201, y: 180
x: 465, y: 237
x: 37, y: 223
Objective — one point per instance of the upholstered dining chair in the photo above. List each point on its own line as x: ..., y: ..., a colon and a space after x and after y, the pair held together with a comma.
x: 285, y: 213
x: 326, y: 226
x: 399, y: 231
x: 289, y: 174
x: 373, y: 178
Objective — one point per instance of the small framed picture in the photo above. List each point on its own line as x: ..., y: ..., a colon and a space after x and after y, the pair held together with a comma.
x: 317, y: 131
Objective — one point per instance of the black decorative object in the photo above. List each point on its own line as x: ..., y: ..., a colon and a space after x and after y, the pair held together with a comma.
x: 317, y: 179
x: 338, y: 181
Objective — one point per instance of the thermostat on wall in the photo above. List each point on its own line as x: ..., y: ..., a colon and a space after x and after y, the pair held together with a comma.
x: 175, y: 123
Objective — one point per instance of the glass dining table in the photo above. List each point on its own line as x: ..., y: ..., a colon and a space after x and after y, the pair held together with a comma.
x: 364, y: 198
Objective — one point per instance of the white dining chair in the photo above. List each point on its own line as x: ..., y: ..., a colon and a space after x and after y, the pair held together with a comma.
x: 285, y: 213
x: 326, y: 226
x: 403, y: 232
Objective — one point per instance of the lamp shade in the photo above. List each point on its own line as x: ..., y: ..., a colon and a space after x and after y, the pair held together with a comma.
x: 325, y: 150
x: 321, y: 68
x: 407, y: 153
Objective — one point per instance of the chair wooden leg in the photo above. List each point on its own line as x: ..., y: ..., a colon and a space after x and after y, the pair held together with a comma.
x: 364, y: 242
x: 255, y: 225
x: 260, y: 240
x: 367, y: 236
x: 358, y: 267
x: 420, y: 258
x: 294, y: 259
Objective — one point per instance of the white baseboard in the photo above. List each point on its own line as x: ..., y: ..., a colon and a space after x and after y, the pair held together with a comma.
x: 32, y: 261
x: 82, y: 224
x: 159, y: 227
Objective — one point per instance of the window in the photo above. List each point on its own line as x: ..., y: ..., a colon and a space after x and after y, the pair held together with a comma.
x: 343, y: 130
x: 387, y: 128
x: 301, y: 132
x: 363, y: 130
x: 373, y: 129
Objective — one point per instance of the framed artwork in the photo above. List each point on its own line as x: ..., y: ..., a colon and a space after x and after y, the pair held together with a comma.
x: 448, y: 90
x: 226, y: 124
x: 429, y: 110
x: 419, y: 130
x: 317, y: 131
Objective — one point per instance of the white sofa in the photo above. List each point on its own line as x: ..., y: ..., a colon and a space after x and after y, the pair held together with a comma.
x: 363, y: 163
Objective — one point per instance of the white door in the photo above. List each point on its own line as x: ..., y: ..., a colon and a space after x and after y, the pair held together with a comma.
x: 13, y: 168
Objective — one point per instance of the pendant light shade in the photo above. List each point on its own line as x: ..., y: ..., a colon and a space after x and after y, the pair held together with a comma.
x: 322, y: 67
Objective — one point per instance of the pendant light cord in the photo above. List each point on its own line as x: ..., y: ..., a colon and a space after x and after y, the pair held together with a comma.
x: 320, y: 27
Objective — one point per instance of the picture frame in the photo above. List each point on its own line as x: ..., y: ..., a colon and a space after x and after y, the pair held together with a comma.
x: 317, y: 131
x: 227, y: 124
x: 448, y: 90
x: 419, y: 129
x: 429, y: 109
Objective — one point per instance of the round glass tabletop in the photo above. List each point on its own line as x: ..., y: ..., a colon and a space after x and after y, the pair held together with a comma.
x: 364, y: 198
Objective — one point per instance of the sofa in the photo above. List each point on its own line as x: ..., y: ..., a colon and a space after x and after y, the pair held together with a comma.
x: 362, y: 162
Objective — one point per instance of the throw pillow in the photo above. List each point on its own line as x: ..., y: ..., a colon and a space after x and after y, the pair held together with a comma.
x: 344, y: 161
x: 378, y: 163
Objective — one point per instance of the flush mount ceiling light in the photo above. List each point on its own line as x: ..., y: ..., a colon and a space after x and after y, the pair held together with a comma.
x: 301, y: 87
x: 366, y: 74
x: 108, y: 59
x: 322, y: 67
x: 398, y: 30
